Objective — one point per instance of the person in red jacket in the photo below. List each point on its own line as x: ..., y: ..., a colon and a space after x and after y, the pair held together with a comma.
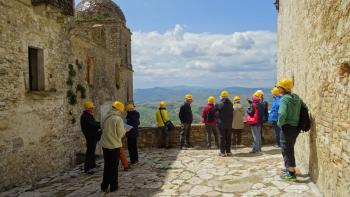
x: 210, y: 120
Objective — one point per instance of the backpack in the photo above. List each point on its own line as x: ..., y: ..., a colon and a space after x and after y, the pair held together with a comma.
x: 251, y: 117
x: 304, y: 120
x: 210, y: 115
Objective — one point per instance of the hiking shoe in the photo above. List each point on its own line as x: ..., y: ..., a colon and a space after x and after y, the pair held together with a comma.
x: 288, y: 177
x: 222, y: 154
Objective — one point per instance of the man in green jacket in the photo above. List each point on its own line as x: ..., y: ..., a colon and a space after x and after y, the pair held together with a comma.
x: 288, y: 120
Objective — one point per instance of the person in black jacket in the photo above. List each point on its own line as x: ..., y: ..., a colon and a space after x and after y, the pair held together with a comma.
x: 186, y: 118
x: 225, y: 108
x: 91, y: 130
x: 132, y: 119
x: 264, y: 113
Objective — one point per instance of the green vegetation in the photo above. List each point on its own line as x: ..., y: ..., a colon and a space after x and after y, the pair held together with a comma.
x: 147, y: 101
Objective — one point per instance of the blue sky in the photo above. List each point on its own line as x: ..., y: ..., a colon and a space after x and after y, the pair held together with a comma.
x: 215, y: 43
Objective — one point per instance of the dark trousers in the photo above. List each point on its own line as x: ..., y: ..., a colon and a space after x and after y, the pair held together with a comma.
x: 236, y: 136
x: 162, y: 137
x: 262, y: 133
x: 277, y: 130
x: 110, y: 170
x: 289, y: 136
x: 185, y: 134
x: 212, y: 129
x: 225, y: 140
x: 132, y: 147
x: 90, y: 155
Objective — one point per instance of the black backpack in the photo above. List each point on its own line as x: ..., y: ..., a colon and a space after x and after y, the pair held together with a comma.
x: 305, y: 120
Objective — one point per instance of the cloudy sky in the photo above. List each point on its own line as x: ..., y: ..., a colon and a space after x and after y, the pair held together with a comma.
x: 206, y: 43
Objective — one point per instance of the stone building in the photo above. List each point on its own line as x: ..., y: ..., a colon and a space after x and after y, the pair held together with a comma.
x: 51, y: 62
x: 314, y: 51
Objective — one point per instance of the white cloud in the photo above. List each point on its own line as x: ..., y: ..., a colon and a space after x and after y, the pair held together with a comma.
x: 177, y: 57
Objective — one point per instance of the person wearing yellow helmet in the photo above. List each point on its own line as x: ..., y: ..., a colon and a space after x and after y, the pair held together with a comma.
x: 209, y: 118
x: 91, y: 130
x: 273, y: 115
x: 225, y: 111
x: 288, y: 120
x: 111, y: 142
x: 238, y: 121
x: 186, y: 118
x: 264, y: 113
x: 162, y: 134
x: 133, y: 119
x: 255, y: 120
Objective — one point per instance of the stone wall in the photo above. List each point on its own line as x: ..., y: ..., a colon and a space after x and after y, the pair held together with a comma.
x: 35, y: 131
x: 39, y: 130
x: 314, y: 51
x: 147, y: 136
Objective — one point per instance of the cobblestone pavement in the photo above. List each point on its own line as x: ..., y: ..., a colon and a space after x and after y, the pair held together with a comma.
x: 182, y: 173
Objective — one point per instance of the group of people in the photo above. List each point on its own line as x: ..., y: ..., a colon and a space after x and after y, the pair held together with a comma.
x: 224, y: 120
x: 110, y: 132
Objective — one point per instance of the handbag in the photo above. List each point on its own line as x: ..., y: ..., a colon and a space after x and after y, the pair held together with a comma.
x: 170, y: 126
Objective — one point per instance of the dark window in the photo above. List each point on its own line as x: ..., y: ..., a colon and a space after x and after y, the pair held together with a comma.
x: 36, y: 69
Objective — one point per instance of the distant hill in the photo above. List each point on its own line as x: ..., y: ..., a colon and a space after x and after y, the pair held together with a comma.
x: 177, y: 93
x: 147, y: 100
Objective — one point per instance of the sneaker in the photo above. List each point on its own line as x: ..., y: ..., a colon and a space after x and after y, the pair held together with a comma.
x: 253, y: 151
x: 229, y: 154
x: 288, y: 177
x: 222, y: 154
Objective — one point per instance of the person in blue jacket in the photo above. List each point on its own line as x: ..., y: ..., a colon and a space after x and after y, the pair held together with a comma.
x: 132, y: 119
x: 273, y: 115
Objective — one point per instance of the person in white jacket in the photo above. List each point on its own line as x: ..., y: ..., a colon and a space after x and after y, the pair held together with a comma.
x: 238, y: 121
x: 111, y: 142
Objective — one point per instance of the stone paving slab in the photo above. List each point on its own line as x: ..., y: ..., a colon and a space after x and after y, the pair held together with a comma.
x: 166, y: 173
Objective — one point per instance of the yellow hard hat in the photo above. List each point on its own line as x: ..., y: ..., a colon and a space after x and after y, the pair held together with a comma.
x: 89, y: 105
x: 236, y: 98
x: 130, y: 107
x: 119, y: 106
x: 188, y: 97
x: 162, y: 104
x: 258, y: 94
x: 261, y: 92
x: 224, y: 94
x: 211, y: 99
x: 275, y: 91
x: 286, y: 84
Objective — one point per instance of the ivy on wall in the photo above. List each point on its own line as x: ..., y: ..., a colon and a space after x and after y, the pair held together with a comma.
x: 74, y: 89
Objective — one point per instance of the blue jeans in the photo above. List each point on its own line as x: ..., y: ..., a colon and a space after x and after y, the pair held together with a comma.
x: 257, y: 137
x: 277, y: 130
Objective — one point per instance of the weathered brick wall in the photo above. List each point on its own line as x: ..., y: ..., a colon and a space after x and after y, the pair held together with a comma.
x: 314, y: 50
x: 147, y: 136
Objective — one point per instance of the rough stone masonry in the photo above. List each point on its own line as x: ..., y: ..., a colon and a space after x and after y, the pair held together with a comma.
x: 314, y: 51
x: 45, y: 53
